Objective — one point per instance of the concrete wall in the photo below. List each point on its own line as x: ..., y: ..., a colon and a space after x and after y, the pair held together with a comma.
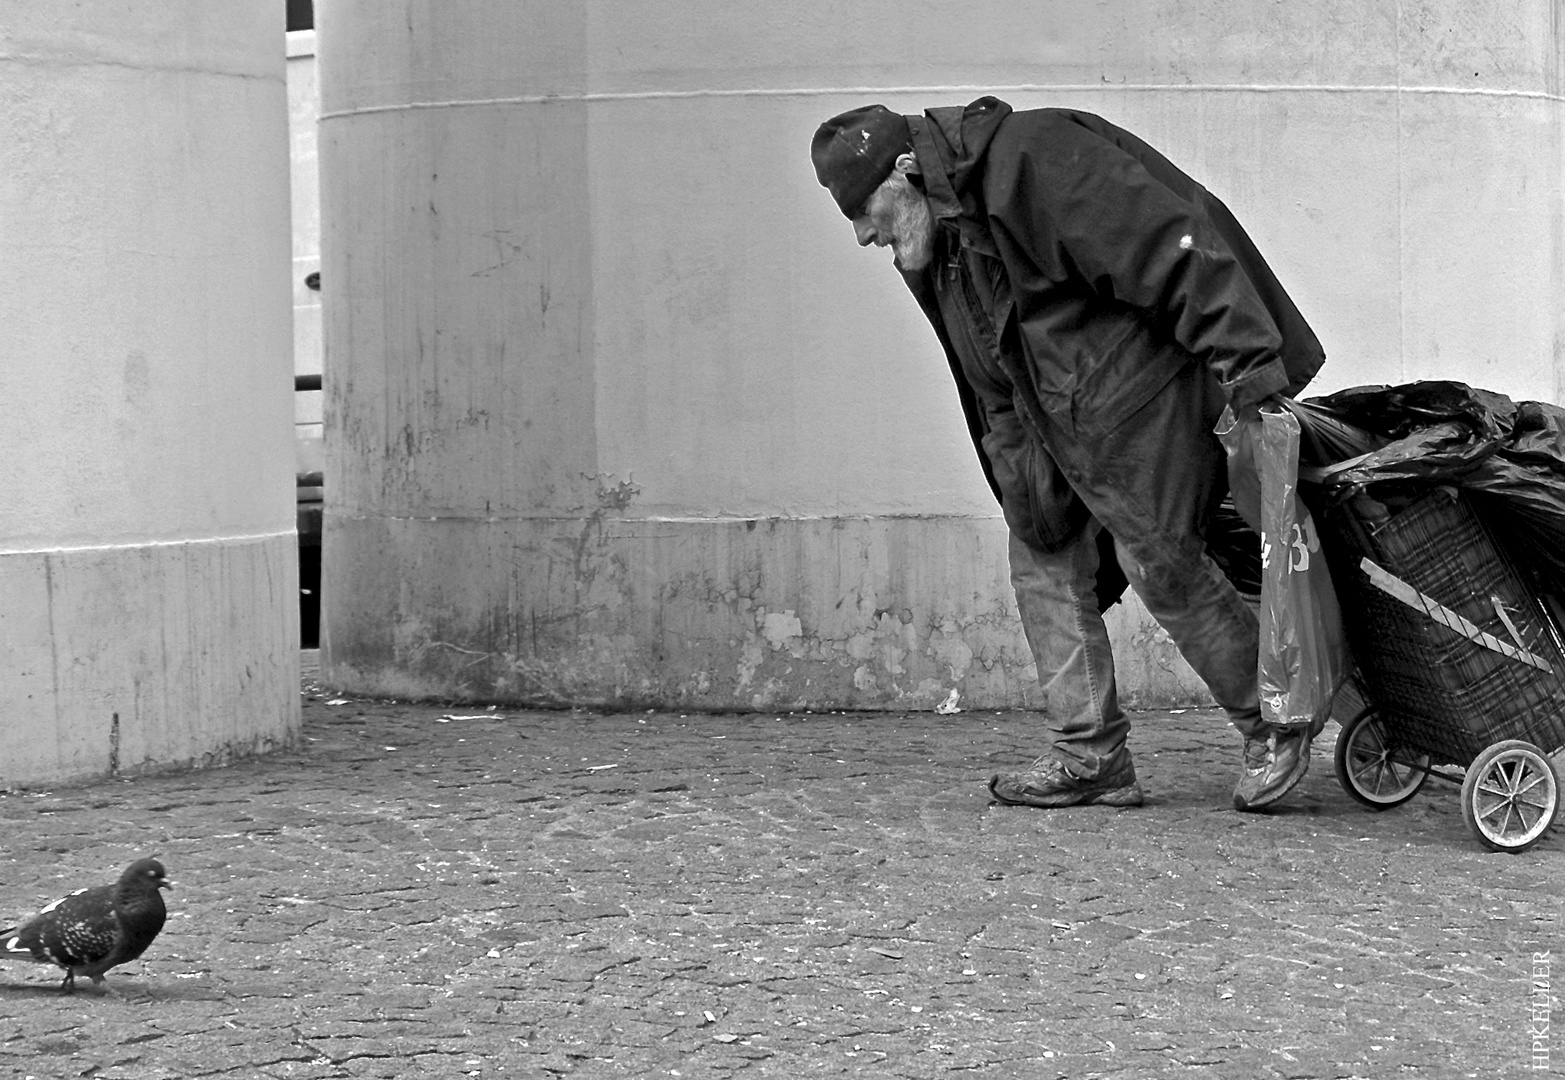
x: 618, y: 412
x: 305, y: 195
x: 148, y: 612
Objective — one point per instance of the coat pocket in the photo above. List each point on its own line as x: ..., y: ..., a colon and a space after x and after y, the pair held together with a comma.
x: 1038, y: 503
x: 1117, y: 383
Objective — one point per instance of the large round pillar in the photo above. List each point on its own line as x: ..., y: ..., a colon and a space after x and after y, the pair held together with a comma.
x: 458, y: 304
x: 148, y: 607
x: 618, y: 412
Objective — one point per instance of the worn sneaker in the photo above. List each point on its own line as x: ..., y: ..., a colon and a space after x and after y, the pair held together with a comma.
x: 1272, y: 767
x: 1046, y: 783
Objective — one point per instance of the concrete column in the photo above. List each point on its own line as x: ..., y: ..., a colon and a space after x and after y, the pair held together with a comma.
x: 148, y: 606
x: 460, y: 370
x: 617, y: 412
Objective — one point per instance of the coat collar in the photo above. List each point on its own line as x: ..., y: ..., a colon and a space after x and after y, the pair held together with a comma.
x: 951, y: 211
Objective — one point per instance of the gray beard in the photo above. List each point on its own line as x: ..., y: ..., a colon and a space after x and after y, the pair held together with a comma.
x: 914, y: 226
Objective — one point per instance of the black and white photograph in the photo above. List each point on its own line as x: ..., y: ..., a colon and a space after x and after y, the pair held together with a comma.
x: 712, y: 540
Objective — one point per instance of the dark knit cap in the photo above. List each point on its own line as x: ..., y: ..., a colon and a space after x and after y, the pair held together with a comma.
x: 853, y: 153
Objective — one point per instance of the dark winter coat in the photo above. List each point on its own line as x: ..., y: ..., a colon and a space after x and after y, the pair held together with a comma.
x: 1076, y: 272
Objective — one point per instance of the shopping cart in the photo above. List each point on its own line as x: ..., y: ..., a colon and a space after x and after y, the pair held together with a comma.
x: 1461, y: 662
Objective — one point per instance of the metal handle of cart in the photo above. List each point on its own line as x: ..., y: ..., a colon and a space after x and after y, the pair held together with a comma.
x: 1394, y: 586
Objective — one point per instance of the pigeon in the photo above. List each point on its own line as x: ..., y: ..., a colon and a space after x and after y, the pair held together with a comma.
x: 93, y: 930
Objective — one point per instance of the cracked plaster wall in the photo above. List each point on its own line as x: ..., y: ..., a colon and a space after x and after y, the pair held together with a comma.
x: 869, y: 613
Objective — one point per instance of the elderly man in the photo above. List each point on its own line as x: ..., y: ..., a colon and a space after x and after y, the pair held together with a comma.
x: 1098, y: 309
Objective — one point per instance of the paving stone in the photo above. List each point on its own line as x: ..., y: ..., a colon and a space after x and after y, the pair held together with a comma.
x: 565, y: 893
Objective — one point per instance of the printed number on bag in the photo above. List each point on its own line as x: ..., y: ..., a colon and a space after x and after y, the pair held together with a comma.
x: 1302, y: 542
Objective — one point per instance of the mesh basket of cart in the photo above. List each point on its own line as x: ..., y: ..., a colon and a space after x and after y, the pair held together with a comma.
x: 1462, y: 662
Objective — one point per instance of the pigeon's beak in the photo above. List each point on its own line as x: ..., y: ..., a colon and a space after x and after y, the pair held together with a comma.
x: 166, y: 884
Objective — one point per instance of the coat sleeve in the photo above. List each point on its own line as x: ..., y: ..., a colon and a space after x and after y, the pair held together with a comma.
x: 1078, y: 206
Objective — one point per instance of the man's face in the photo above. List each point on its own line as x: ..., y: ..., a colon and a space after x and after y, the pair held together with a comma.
x: 897, y: 215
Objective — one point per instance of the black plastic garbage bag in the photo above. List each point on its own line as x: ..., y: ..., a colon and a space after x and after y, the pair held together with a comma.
x: 1523, y: 487
x: 1396, y: 411
x: 1326, y: 438
x: 1510, y: 456
x: 1236, y: 549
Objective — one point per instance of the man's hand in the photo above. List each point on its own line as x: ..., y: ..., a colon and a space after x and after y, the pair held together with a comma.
x: 1251, y: 413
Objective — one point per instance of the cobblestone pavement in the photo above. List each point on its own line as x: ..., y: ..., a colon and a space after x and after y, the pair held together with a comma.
x: 429, y: 891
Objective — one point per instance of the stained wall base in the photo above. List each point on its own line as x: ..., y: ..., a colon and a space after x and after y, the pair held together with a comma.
x: 815, y: 613
x: 136, y: 658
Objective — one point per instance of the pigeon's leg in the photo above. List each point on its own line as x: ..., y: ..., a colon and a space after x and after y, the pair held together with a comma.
x: 69, y: 985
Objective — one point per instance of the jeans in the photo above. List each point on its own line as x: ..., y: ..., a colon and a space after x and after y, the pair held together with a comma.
x: 1152, y: 482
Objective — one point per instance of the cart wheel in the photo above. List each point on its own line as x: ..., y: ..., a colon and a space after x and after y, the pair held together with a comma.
x: 1373, y: 769
x: 1511, y: 796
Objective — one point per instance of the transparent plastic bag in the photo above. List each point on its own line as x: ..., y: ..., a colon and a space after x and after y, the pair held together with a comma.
x: 1303, y: 653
